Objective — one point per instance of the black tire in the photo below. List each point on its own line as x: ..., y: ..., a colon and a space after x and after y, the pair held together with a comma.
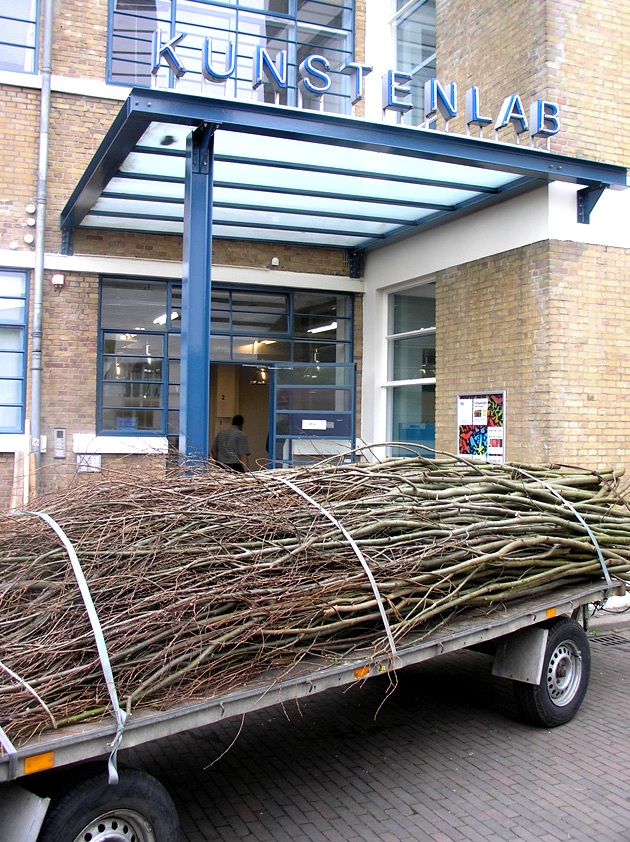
x: 565, y: 676
x: 136, y: 809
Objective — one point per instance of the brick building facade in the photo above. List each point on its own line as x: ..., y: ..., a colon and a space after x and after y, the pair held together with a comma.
x: 528, y: 302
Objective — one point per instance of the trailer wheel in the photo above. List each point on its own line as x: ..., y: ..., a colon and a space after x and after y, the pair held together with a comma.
x: 136, y: 809
x: 565, y: 676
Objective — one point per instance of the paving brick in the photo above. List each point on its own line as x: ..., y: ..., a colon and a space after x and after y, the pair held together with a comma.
x: 301, y: 780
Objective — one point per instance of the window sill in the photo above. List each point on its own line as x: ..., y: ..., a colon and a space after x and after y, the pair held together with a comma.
x: 136, y: 445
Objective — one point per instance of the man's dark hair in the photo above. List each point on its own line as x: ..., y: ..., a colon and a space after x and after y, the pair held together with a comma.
x: 238, y: 421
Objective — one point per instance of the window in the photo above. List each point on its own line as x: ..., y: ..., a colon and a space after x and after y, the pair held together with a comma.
x: 18, y: 36
x: 411, y: 362
x: 270, y: 326
x: 414, y: 32
x: 140, y: 344
x: 139, y: 359
x: 226, y: 34
x: 13, y: 289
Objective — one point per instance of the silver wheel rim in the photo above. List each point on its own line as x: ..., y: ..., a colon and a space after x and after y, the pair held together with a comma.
x: 117, y: 826
x: 564, y: 673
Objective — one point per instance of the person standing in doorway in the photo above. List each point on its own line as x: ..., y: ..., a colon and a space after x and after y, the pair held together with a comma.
x: 230, y: 448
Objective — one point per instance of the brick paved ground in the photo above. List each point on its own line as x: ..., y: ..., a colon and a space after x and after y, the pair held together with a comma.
x: 444, y: 758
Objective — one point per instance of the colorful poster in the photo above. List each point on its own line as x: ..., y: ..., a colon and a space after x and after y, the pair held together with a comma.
x: 480, y: 425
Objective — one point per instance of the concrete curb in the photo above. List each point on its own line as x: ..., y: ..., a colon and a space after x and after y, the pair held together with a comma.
x: 614, y: 615
x: 605, y: 620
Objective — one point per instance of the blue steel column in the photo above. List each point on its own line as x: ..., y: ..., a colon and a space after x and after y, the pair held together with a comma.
x: 194, y: 415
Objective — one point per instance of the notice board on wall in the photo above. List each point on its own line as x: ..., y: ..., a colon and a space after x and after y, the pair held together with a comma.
x: 481, y: 426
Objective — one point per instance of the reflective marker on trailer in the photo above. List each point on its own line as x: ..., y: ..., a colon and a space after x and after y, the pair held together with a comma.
x: 39, y: 762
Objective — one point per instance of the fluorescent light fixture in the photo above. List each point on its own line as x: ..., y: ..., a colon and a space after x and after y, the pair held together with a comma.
x: 322, y: 328
x: 161, y: 320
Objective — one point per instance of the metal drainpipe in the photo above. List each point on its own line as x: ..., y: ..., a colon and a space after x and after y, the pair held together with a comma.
x: 40, y: 235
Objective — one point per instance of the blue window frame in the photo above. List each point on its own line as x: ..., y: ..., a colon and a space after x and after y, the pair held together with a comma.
x: 13, y: 323
x: 140, y: 346
x: 297, y: 27
x: 18, y: 35
x: 139, y: 355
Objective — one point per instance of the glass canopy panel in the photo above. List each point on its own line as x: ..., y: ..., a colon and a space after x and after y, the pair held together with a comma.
x: 159, y: 166
x: 284, y: 236
x: 166, y: 136
x: 328, y: 156
x: 136, y: 187
x: 245, y: 216
x: 339, y: 206
x: 137, y: 207
x: 352, y: 186
x: 120, y: 223
x: 289, y: 191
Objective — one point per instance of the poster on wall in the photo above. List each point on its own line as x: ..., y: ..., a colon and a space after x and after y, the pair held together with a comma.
x: 481, y: 426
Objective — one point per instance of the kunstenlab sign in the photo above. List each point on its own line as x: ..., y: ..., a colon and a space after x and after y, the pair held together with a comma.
x: 315, y: 79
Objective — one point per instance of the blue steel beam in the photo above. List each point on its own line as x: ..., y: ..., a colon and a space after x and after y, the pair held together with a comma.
x: 194, y: 414
x: 318, y: 127
x: 144, y: 107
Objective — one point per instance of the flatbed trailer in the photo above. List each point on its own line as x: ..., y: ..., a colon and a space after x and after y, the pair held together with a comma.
x: 537, y: 642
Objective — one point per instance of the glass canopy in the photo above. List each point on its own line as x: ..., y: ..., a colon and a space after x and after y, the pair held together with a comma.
x: 286, y: 175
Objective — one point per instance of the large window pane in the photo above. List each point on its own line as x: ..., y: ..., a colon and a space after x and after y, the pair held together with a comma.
x: 134, y: 23
x: 330, y: 400
x: 320, y: 352
x: 10, y: 417
x: 214, y: 27
x: 140, y: 368
x: 133, y: 306
x: 413, y: 416
x: 415, y: 50
x: 18, y: 36
x: 413, y: 358
x: 137, y: 322
x: 13, y: 289
x: 12, y: 310
x: 11, y: 338
x: 413, y: 309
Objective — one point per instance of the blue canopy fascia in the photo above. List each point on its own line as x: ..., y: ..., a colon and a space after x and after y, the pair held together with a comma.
x: 289, y: 175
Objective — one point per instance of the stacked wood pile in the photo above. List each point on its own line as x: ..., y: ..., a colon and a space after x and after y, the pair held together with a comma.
x: 204, y: 581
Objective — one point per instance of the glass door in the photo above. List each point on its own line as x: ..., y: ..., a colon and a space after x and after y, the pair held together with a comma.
x: 312, y: 413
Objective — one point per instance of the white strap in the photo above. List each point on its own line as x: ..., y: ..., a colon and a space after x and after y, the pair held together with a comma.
x: 352, y: 543
x: 10, y: 749
x: 119, y: 714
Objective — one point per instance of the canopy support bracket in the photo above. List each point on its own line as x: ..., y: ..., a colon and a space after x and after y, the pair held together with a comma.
x: 587, y: 198
x: 67, y: 244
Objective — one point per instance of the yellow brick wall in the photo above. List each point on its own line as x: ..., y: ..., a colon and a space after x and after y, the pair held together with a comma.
x: 534, y: 323
x: 80, y: 39
x: 19, y: 110
x: 498, y: 46
x: 487, y: 314
x: 589, y: 67
x: 69, y: 346
x: 6, y: 480
x: 571, y: 53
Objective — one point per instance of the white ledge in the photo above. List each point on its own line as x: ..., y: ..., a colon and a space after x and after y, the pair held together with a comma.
x: 122, y: 445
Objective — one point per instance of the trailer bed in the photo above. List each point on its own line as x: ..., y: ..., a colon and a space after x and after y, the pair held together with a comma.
x: 309, y: 676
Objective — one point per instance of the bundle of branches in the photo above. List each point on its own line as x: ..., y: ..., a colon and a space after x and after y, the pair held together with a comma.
x: 204, y: 581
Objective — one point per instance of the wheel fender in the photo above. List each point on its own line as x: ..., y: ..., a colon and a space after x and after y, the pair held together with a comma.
x: 520, y: 655
x: 21, y: 814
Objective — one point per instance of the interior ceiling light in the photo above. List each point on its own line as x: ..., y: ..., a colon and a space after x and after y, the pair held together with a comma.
x: 161, y: 320
x: 322, y: 328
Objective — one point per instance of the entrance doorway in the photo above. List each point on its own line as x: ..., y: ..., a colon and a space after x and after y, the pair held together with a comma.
x: 294, y: 412
x: 242, y: 390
